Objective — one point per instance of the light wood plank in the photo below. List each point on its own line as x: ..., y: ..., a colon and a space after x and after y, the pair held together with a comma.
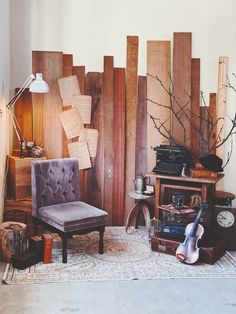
x: 182, y: 52
x: 221, y: 103
x: 158, y: 64
x: 47, y: 128
x: 212, y: 140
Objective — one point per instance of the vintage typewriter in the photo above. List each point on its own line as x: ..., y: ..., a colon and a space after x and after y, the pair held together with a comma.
x: 171, y: 159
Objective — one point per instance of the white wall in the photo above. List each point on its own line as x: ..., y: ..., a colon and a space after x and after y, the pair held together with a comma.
x: 4, y: 91
x: 93, y: 28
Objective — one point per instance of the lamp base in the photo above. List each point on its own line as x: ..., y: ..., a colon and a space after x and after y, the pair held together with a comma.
x: 22, y: 148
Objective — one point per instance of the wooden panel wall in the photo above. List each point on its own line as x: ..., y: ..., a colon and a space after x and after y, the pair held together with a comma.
x: 195, y: 108
x: 119, y: 147
x: 182, y: 52
x: 158, y: 64
x: 47, y: 129
x: 212, y: 109
x: 130, y: 127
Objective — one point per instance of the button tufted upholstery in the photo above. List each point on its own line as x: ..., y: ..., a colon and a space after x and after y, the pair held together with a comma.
x: 56, y: 201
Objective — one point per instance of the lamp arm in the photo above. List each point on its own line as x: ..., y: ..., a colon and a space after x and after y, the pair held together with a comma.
x: 11, y: 103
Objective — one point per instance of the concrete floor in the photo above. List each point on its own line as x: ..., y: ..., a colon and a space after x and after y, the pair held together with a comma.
x: 129, y: 297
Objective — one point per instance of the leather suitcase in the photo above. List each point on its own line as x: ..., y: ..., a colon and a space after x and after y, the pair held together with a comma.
x: 25, y: 260
x: 164, y: 245
x: 211, y: 250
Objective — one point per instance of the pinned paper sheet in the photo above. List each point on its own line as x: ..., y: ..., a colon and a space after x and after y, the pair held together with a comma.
x: 84, y: 103
x: 80, y: 151
x: 91, y: 137
x: 69, y: 86
x: 71, y: 122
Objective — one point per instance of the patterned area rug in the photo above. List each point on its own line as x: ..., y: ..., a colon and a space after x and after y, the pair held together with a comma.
x: 126, y: 257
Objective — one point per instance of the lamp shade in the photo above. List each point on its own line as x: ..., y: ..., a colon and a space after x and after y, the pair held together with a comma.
x: 39, y: 85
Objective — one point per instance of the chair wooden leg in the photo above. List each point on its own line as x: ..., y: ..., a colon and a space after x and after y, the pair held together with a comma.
x: 64, y: 248
x: 101, y: 234
x: 36, y: 226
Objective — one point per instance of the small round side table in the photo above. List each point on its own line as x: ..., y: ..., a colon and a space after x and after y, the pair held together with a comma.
x: 141, y: 206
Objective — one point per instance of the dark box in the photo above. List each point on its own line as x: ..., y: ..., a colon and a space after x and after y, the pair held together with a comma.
x: 25, y: 260
x: 36, y: 245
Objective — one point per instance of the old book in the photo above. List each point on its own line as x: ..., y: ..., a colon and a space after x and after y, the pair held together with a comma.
x: 25, y: 260
x: 36, y: 245
x: 47, y: 248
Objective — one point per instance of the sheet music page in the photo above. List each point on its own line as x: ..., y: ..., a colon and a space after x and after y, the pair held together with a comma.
x: 84, y: 103
x: 80, y: 150
x: 91, y: 137
x: 71, y: 122
x: 69, y: 86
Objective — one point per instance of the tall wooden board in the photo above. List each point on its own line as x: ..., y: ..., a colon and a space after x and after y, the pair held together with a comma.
x: 204, y: 125
x: 221, y: 102
x: 195, y: 109
x: 119, y: 146
x: 212, y: 130
x: 141, y: 128
x: 182, y: 52
x: 80, y: 72
x: 108, y: 134
x: 158, y: 64
x: 94, y: 177
x: 47, y: 129
x: 130, y: 127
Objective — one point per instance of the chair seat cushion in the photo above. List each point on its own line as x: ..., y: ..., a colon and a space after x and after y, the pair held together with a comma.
x: 72, y: 216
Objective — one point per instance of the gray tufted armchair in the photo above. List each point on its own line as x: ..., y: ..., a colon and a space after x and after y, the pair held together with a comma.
x: 56, y: 201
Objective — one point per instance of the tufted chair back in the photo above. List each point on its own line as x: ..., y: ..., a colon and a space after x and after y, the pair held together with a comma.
x: 54, y: 181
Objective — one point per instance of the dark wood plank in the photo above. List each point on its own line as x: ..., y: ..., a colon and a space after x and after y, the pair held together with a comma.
x: 67, y: 71
x: 204, y: 124
x: 119, y: 146
x: 195, y: 109
x: 47, y: 128
x: 80, y: 72
x: 131, y: 107
x: 141, y: 128
x: 212, y: 129
x: 94, y: 177
x: 182, y: 51
x: 108, y: 134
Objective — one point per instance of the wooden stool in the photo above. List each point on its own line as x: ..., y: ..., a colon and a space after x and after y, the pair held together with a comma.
x: 223, y: 198
x: 141, y: 206
x: 24, y: 206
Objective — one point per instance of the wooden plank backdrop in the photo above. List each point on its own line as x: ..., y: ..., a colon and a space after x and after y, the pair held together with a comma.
x: 94, y: 177
x: 204, y: 125
x: 182, y: 52
x: 158, y: 64
x: 119, y: 146
x: 141, y: 128
x: 47, y: 128
x: 131, y: 106
x: 195, y: 108
x: 212, y: 109
x: 108, y: 134
x: 221, y: 102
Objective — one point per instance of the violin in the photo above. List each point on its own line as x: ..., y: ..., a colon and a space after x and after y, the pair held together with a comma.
x: 188, y: 251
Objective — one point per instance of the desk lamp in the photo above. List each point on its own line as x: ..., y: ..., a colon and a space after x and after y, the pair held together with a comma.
x: 36, y: 85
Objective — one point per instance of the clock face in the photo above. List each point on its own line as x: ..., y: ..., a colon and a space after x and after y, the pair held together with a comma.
x: 225, y: 219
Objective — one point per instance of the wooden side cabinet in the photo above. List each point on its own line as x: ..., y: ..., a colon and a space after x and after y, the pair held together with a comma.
x: 19, y: 177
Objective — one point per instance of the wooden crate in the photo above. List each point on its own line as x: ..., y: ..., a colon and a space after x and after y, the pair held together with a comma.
x: 19, y: 184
